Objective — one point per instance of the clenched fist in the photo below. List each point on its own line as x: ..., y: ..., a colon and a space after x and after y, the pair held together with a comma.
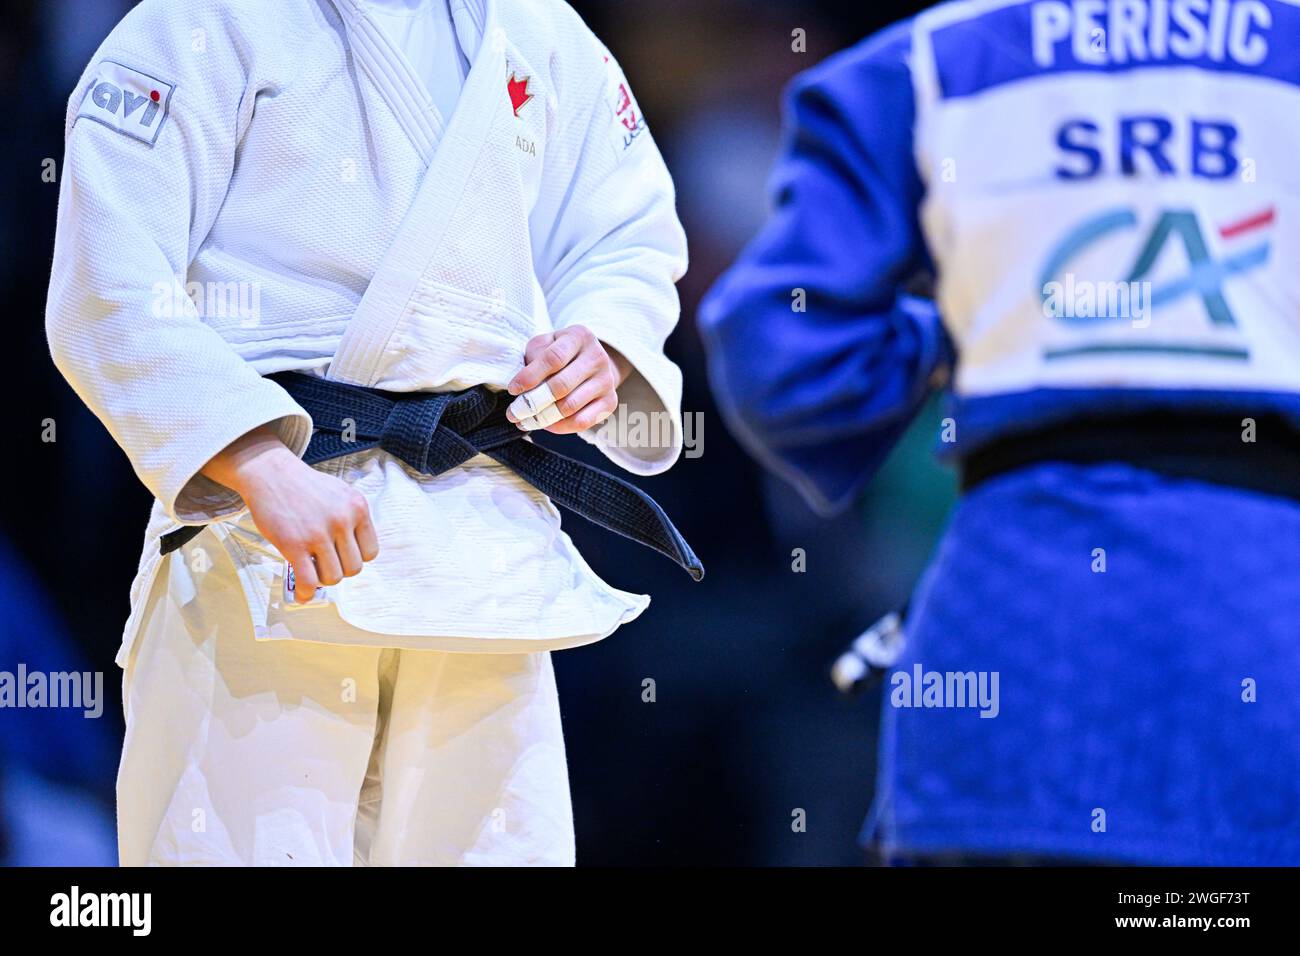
x: 318, y: 523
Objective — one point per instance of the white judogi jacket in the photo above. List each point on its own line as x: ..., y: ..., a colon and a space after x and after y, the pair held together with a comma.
x: 235, y: 202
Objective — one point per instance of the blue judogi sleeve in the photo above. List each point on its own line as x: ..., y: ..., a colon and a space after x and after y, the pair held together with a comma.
x: 820, y: 395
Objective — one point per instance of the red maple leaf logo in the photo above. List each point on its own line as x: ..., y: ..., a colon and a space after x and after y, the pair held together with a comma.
x: 518, y: 90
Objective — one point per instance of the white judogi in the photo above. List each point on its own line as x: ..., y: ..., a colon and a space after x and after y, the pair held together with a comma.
x: 278, y: 169
x: 268, y: 155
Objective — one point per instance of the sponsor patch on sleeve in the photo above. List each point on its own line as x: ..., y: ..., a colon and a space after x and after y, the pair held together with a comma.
x: 628, y: 123
x: 133, y: 103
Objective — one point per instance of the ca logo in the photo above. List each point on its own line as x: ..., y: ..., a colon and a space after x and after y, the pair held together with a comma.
x: 1204, y: 278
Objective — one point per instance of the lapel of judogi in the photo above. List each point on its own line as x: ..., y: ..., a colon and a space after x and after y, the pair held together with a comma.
x: 384, y: 303
x: 393, y: 76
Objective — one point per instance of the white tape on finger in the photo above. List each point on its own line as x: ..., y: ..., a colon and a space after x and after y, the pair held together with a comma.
x: 533, y: 401
x: 547, y: 417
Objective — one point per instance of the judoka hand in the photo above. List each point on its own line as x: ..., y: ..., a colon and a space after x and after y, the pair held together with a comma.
x: 318, y: 523
x: 569, y: 382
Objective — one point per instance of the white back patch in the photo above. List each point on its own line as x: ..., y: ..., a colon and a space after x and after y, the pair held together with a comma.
x: 127, y: 100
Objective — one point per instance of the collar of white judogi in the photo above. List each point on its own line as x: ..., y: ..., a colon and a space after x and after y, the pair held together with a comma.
x: 398, y: 80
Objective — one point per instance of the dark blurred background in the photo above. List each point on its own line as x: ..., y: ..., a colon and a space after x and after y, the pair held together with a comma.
x: 745, y: 730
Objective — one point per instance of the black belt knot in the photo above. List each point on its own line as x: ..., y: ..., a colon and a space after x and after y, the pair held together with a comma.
x: 435, y: 432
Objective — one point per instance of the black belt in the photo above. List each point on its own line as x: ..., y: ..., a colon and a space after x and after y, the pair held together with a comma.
x: 1206, y: 446
x: 434, y: 433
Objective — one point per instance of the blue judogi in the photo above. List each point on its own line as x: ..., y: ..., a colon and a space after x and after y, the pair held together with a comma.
x: 1149, y: 711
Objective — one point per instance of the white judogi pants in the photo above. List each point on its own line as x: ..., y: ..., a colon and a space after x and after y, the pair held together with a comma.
x: 244, y: 752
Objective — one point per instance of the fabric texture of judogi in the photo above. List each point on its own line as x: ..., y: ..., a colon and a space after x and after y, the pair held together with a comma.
x: 269, y: 185
x: 992, y: 145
